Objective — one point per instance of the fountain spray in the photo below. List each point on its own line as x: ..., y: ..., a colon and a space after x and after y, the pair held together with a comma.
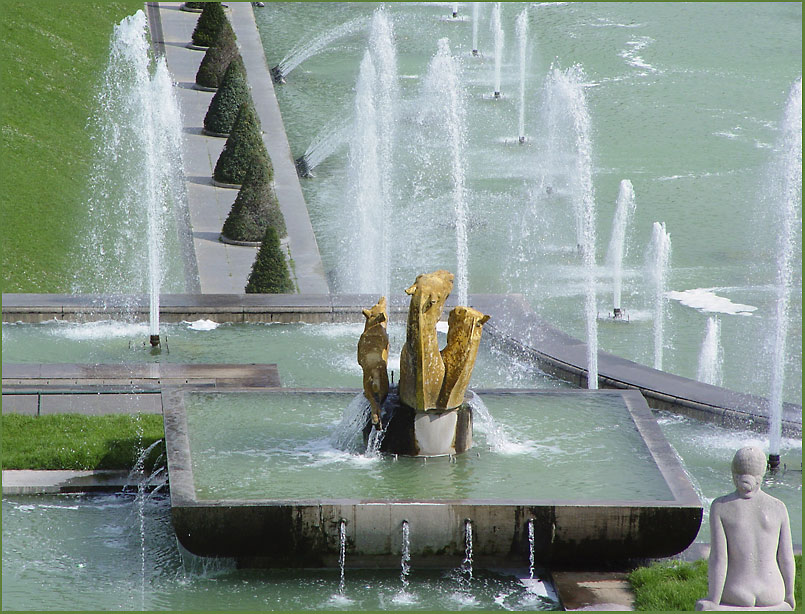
x: 659, y: 261
x: 522, y: 37
x: 497, y: 30
x: 711, y: 354
x: 623, y: 212
x: 475, y: 6
x: 787, y: 201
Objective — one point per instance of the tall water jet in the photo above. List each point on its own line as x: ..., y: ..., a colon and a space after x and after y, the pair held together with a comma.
x: 303, y: 51
x: 497, y: 32
x: 364, y: 253
x: 531, y: 549
x: 405, y: 558
x: 522, y: 39
x: 659, y: 259
x: 387, y: 93
x: 786, y: 201
x: 455, y: 10
x: 342, y: 555
x: 569, y: 130
x: 475, y: 11
x: 711, y: 354
x: 466, y: 565
x: 136, y: 180
x: 444, y: 89
x: 624, y: 209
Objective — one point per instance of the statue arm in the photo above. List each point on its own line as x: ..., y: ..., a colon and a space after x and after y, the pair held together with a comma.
x: 717, y: 570
x: 785, y: 559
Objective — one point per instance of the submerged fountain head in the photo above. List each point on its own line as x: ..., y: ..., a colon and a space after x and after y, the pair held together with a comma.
x: 154, y: 340
x: 302, y: 167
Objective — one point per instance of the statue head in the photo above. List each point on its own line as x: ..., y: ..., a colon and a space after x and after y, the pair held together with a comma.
x: 430, y: 290
x: 748, y: 467
x: 376, y: 315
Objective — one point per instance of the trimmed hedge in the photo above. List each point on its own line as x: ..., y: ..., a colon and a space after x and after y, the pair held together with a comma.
x: 256, y: 207
x: 232, y: 93
x: 245, y: 143
x: 217, y: 58
x: 209, y: 22
x: 269, y: 272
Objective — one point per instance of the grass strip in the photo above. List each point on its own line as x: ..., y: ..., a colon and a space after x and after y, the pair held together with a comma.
x: 53, y: 56
x: 79, y: 442
x: 677, y: 586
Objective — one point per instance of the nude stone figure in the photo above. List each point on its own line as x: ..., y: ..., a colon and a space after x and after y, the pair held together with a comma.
x: 751, y: 555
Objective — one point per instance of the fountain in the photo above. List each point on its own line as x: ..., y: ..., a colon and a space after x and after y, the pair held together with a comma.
x: 455, y: 10
x: 522, y: 38
x: 475, y: 8
x: 497, y: 32
x: 137, y: 177
x: 305, y: 50
x: 362, y: 258
x: 444, y: 90
x: 787, y: 201
x: 659, y: 260
x: 624, y: 209
x: 323, y: 146
x: 711, y: 354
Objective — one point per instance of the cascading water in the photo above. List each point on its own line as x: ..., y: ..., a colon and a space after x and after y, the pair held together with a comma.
x: 405, y: 558
x: 136, y: 181
x: 475, y: 11
x: 659, y: 258
x: 387, y: 93
x: 531, y: 552
x: 497, y: 32
x: 522, y: 39
x: 364, y: 252
x: 711, y: 355
x: 786, y: 201
x: 445, y: 95
x: 303, y: 51
x: 624, y: 209
x: 348, y: 432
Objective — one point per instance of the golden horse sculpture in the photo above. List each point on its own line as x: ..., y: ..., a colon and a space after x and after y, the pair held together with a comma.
x: 373, y: 355
x: 430, y: 379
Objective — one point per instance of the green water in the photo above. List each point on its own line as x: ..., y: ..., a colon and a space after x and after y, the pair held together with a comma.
x: 548, y: 447
x: 685, y: 100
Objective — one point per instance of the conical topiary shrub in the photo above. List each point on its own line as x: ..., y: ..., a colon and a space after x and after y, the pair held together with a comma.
x: 209, y: 22
x: 232, y: 93
x: 217, y: 59
x: 269, y: 272
x: 256, y: 207
x: 245, y: 143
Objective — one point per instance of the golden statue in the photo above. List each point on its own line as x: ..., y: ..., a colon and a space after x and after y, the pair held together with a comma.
x: 373, y: 355
x: 465, y: 325
x: 421, y: 363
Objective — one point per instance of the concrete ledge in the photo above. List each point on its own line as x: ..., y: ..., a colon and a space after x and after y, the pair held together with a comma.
x: 594, y: 590
x: 60, y: 482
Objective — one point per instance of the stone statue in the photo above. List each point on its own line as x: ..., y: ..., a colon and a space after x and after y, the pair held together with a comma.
x: 421, y: 363
x: 373, y: 355
x: 751, y: 555
x: 463, y: 338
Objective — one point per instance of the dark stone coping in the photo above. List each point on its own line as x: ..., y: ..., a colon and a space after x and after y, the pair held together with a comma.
x: 24, y: 482
x: 292, y: 533
x: 513, y: 325
x: 224, y: 239
x: 223, y: 184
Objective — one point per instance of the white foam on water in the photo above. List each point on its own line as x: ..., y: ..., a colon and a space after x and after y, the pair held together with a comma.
x: 202, y: 325
x: 105, y: 329
x: 704, y: 299
x: 630, y: 54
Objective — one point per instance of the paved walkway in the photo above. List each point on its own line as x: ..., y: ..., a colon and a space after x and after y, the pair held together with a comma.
x: 224, y: 268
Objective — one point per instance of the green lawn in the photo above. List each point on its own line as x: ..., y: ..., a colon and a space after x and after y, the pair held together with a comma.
x: 53, y: 55
x: 73, y: 441
x: 676, y: 586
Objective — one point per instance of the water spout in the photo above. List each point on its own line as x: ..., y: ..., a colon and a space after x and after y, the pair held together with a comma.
x: 522, y: 38
x: 455, y: 10
x: 787, y: 201
x: 617, y: 243
x: 711, y: 354
x: 659, y: 261
x: 531, y: 553
x: 342, y: 554
x: 405, y: 559
x: 475, y: 8
x: 497, y: 31
x: 444, y: 87
x: 466, y: 565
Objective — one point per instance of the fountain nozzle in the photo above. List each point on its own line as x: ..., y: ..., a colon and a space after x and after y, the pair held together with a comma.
x: 302, y: 167
x: 475, y: 52
x: 497, y: 94
x: 154, y: 339
x: 455, y: 14
x: 617, y: 313
x: 276, y: 74
x: 774, y: 462
x: 521, y: 140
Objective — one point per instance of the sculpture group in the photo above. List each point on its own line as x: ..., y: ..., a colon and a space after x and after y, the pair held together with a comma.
x: 431, y: 380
